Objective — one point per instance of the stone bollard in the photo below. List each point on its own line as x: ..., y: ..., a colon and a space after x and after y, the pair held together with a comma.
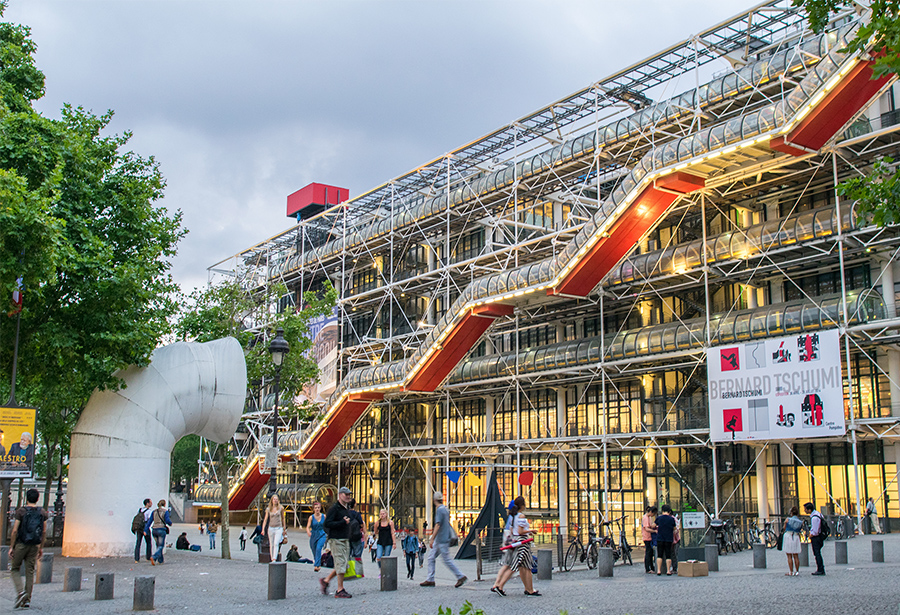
x: 605, y: 562
x: 804, y: 554
x: 712, y: 557
x: 759, y: 555
x: 144, y: 588
x: 545, y: 564
x: 878, y: 551
x: 4, y: 557
x: 73, y: 580
x: 277, y: 580
x: 840, y: 552
x: 388, y: 574
x: 104, y: 584
x: 44, y: 571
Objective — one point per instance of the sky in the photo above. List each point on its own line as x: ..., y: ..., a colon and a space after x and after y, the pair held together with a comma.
x: 244, y: 102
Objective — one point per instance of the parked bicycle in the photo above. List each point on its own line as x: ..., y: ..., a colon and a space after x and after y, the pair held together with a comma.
x: 623, y: 549
x: 578, y: 552
x: 765, y: 535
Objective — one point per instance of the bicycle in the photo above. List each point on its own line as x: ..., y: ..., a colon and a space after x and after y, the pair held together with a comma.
x: 765, y: 535
x: 623, y: 549
x: 578, y: 552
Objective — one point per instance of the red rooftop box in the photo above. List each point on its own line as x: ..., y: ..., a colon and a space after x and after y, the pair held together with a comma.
x: 314, y: 198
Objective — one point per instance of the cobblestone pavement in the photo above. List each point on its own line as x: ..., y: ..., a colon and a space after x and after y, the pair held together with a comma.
x: 204, y: 583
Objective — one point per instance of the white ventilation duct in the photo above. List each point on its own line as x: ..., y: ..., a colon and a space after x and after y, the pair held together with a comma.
x: 122, y: 443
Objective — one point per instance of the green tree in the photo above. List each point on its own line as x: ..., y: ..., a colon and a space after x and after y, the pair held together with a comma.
x: 226, y: 310
x: 875, y: 193
x: 184, y: 459
x: 81, y: 226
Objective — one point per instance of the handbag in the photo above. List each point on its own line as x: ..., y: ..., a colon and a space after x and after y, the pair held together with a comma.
x: 454, y: 537
x: 779, y: 542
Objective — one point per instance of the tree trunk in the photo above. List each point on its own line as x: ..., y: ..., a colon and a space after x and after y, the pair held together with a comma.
x: 223, y: 480
x: 51, y: 474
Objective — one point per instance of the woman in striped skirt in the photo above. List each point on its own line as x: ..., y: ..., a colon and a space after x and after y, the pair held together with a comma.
x: 523, y: 559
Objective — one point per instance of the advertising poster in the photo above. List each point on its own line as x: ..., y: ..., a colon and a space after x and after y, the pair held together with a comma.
x: 782, y: 388
x: 17, y: 442
x: 324, y: 334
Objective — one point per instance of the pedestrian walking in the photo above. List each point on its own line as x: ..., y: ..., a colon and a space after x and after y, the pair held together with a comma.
x: 158, y: 527
x: 816, y: 537
x: 274, y: 524
x: 201, y: 529
x: 648, y: 530
x: 665, y: 527
x: 257, y: 538
x: 872, y: 514
x: 410, y: 546
x: 137, y: 528
x: 337, y: 525
x: 357, y: 538
x: 386, y: 536
x: 27, y: 545
x: 212, y: 528
x: 440, y: 544
x: 315, y: 529
x: 506, y: 555
x: 372, y: 546
x: 243, y: 538
x: 790, y: 541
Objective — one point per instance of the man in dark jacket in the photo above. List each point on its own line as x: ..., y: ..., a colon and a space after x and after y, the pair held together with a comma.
x: 337, y: 526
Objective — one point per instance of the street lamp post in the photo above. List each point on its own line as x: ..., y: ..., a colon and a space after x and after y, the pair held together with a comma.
x: 278, y: 349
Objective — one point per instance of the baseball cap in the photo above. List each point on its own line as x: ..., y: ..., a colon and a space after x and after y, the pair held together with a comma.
x: 345, y: 490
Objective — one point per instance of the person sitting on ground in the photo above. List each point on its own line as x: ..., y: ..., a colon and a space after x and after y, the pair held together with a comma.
x: 182, y: 542
x: 292, y: 554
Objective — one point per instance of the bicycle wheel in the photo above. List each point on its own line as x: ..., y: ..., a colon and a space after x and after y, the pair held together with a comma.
x: 840, y: 529
x: 593, y: 555
x: 771, y: 539
x: 626, y: 553
x: 571, y: 556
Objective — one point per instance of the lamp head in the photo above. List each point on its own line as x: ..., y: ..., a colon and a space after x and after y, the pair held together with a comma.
x: 279, y: 347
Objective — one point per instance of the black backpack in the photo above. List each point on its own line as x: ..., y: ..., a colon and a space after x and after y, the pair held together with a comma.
x: 31, y: 528
x: 137, y: 524
x: 355, y: 530
x: 825, y: 530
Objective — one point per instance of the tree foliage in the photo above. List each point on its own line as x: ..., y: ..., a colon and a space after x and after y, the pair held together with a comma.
x: 80, y: 225
x: 184, y: 459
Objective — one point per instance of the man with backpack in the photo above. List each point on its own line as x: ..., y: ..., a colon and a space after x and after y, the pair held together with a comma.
x: 337, y: 525
x: 137, y: 528
x: 818, y: 532
x: 27, y: 544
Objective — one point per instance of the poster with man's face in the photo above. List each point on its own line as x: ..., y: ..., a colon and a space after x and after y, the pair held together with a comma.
x: 17, y: 442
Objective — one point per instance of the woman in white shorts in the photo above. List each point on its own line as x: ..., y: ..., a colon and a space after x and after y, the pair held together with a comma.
x: 790, y: 542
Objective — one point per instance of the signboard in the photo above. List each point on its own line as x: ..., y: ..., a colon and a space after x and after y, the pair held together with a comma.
x: 17, y: 442
x: 324, y: 334
x: 693, y: 520
x: 781, y: 388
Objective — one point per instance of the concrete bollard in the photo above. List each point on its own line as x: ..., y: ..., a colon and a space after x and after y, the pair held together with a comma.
x: 144, y: 588
x: 605, y: 562
x: 4, y: 557
x: 878, y: 551
x: 73, y: 580
x: 804, y: 554
x: 277, y: 580
x: 712, y: 557
x: 545, y: 564
x: 759, y: 555
x: 104, y: 585
x: 388, y: 574
x: 44, y: 571
x: 840, y: 552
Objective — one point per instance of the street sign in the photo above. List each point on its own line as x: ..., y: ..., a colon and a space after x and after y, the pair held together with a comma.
x: 693, y: 520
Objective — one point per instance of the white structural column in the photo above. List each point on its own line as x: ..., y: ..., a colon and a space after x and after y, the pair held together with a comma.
x: 751, y: 294
x: 887, y: 288
x: 123, y: 441
x: 762, y: 484
x: 562, y: 473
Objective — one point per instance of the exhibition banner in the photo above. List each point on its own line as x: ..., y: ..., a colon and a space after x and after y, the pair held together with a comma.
x: 776, y: 389
x: 17, y: 442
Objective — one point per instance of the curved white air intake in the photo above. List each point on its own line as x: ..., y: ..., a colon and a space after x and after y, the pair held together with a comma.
x: 122, y: 443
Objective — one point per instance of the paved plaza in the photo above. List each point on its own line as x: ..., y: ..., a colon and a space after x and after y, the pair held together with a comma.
x: 202, y: 582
